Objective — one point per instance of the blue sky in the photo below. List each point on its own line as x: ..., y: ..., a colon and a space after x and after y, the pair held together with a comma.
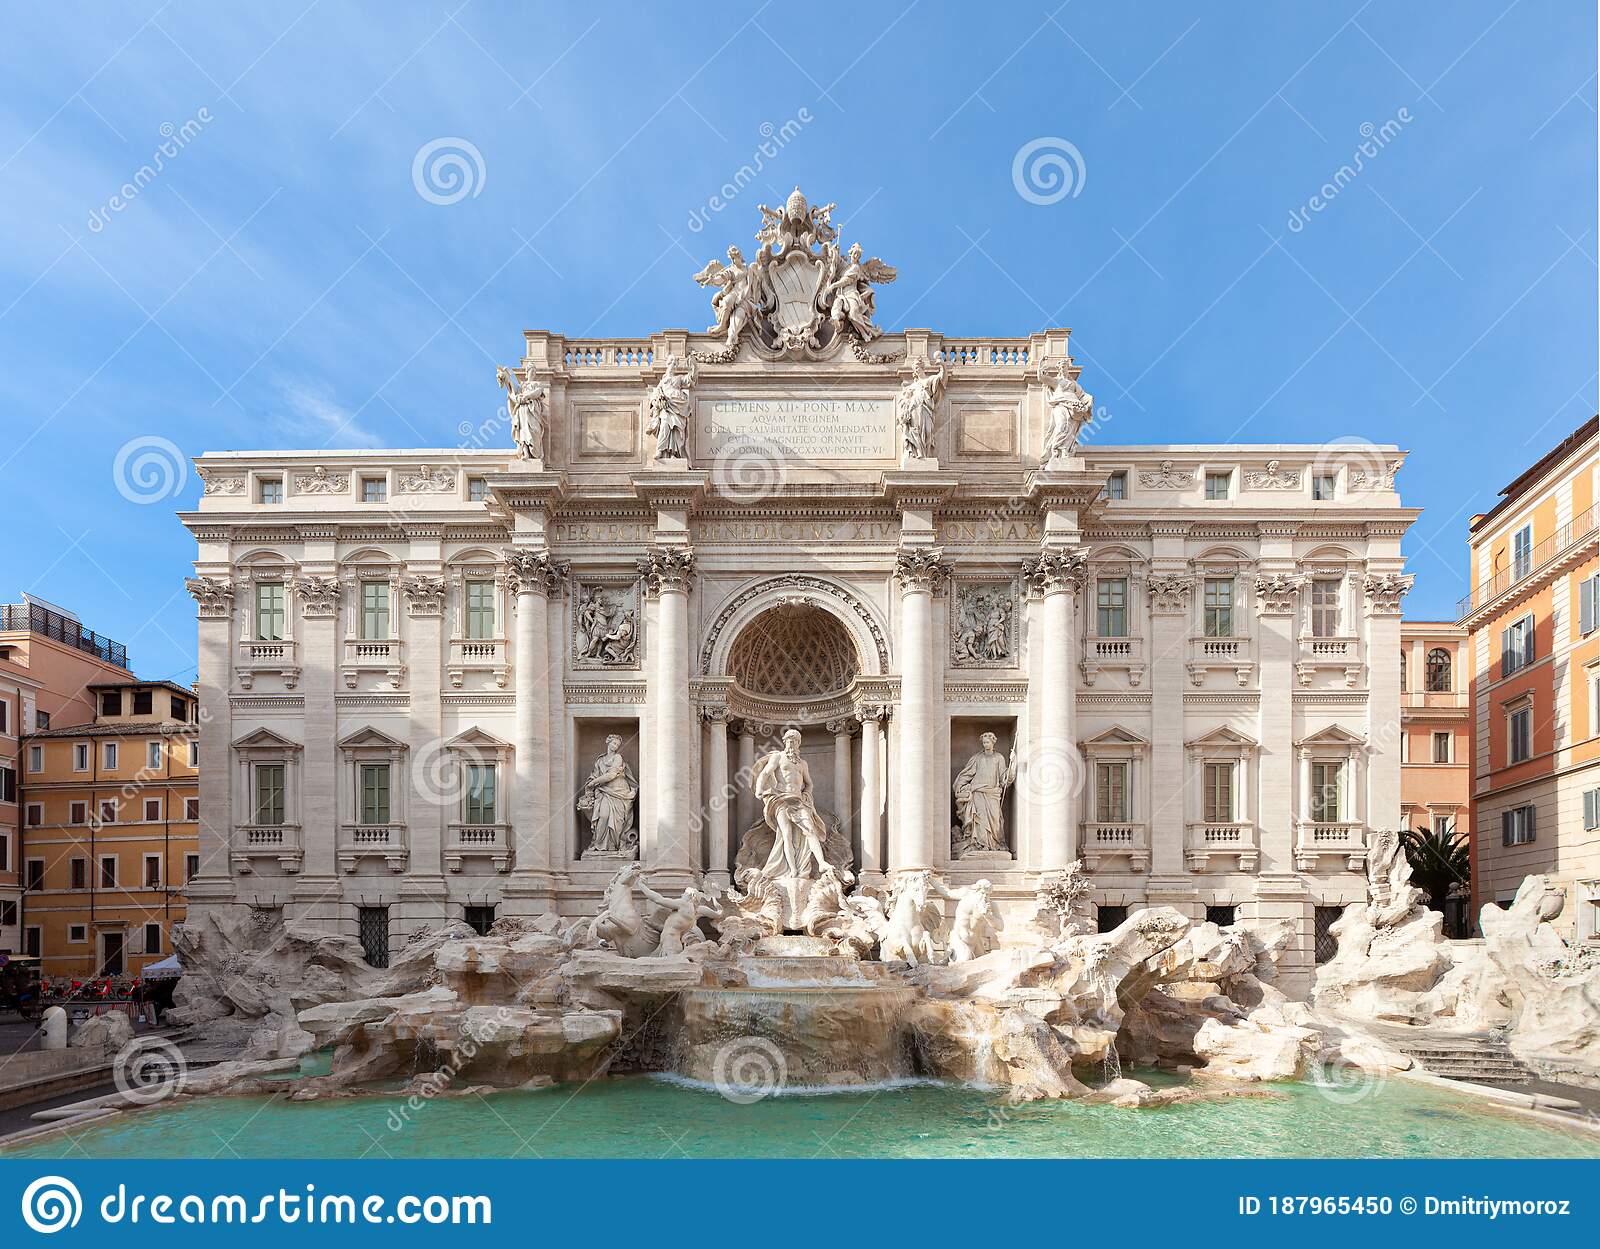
x: 282, y: 283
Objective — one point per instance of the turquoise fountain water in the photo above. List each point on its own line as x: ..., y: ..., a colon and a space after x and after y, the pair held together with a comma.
x: 652, y: 1118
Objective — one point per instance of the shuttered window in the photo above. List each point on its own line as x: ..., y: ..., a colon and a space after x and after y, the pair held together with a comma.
x: 1516, y: 826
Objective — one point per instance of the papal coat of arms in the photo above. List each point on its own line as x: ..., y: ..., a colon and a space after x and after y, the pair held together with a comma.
x: 801, y: 296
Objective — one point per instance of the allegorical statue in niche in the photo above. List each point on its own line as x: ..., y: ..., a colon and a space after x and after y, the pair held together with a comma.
x: 607, y: 799
x: 669, y: 409
x: 528, y: 406
x: 980, y: 792
x: 783, y: 785
x: 919, y: 398
x: 1070, y: 407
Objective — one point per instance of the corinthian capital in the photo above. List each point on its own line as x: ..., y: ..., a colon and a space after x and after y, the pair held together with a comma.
x: 1169, y: 592
x: 921, y: 568
x: 1058, y: 568
x: 536, y: 572
x: 214, y: 596
x: 1385, y: 590
x: 1275, y: 593
x: 667, y: 568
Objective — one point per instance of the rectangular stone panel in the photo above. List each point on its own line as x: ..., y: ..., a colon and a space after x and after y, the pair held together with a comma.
x: 988, y: 431
x: 607, y: 431
x: 806, y: 429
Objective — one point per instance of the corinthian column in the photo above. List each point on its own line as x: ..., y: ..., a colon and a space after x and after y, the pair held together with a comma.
x: 535, y: 576
x: 673, y: 850
x: 871, y: 818
x: 920, y: 811
x: 721, y: 796
x: 1052, y: 761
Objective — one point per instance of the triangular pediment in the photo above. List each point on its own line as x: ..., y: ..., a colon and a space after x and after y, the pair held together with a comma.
x: 1115, y: 736
x: 264, y: 739
x: 1333, y: 735
x: 1223, y: 736
x: 369, y: 736
x: 475, y: 738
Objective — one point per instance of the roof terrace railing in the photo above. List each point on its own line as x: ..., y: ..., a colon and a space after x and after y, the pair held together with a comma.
x: 46, y: 623
x: 1581, y: 528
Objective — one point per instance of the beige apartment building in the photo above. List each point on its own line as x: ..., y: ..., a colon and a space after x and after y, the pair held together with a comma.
x: 1533, y: 620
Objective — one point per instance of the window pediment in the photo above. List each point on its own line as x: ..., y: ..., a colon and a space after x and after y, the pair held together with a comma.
x: 265, y: 739
x: 371, y: 738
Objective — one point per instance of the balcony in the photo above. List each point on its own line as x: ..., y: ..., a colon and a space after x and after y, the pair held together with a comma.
x: 36, y: 618
x: 1233, y: 655
x: 1204, y: 842
x: 1112, y: 654
x: 488, y: 841
x: 381, y: 655
x: 1546, y: 558
x: 1313, y: 839
x: 479, y: 655
x: 376, y: 841
x: 1342, y: 655
x: 277, y: 658
x: 267, y: 841
x: 1103, y: 841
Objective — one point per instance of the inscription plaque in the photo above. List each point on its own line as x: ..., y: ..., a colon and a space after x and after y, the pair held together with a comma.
x: 807, y: 429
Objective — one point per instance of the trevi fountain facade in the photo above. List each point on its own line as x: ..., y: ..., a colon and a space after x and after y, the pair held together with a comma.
x: 804, y: 686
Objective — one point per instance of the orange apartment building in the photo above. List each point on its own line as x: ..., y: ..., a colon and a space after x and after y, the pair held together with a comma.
x: 1436, y: 737
x: 110, y: 823
x: 1533, y: 623
x: 48, y: 661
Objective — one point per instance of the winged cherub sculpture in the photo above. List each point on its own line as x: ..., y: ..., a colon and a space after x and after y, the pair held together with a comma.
x: 743, y: 292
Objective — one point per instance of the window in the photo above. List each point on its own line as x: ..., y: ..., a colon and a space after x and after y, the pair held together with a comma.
x: 374, y: 796
x: 8, y: 913
x: 1110, y: 793
x: 1441, y: 747
x: 1324, y: 486
x: 372, y: 925
x: 375, y: 609
x: 77, y: 934
x: 1110, y: 918
x: 152, y: 810
x: 191, y: 866
x: 1591, y: 809
x: 1111, y: 601
x: 5, y: 852
x: 144, y: 702
x: 1116, y: 486
x: 108, y: 756
x: 152, y: 754
x: 1405, y: 673
x: 35, y: 875
x: 269, y: 793
x: 110, y: 702
x: 1322, y: 919
x: 1516, y: 826
x: 32, y: 941
x: 1442, y: 825
x: 1218, y: 780
x: 108, y: 811
x: 1325, y: 607
x: 194, y: 754
x: 78, y: 874
x: 1221, y: 916
x: 480, y: 919
x: 152, y: 871
x: 108, y: 871
x: 1218, y: 609
x: 191, y: 808
x: 1516, y: 645
x: 1438, y: 671
x: 480, y: 609
x: 41, y: 721
x: 1519, y: 735
x: 269, y: 490
x: 269, y: 611
x: 374, y: 489
x: 35, y: 814
x: 1218, y: 484
x: 1588, y: 605
x: 481, y: 796
x: 1327, y: 784
x: 8, y: 784
x: 477, y: 489
x: 152, y: 932
x: 1522, y: 553
x: 36, y: 758
x: 80, y: 756
x: 5, y: 715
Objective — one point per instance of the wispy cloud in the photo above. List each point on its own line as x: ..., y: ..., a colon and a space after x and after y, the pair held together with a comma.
x: 309, y: 417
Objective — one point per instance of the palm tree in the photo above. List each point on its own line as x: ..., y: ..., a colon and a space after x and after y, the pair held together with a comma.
x: 1439, y: 858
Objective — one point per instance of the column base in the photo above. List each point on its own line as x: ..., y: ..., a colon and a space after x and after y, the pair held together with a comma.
x: 527, y: 896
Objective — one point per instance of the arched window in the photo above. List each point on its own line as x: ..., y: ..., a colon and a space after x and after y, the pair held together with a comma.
x: 1405, y: 675
x: 1438, y: 671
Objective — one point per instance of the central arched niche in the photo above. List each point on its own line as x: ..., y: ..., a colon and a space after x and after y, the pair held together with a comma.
x: 793, y: 651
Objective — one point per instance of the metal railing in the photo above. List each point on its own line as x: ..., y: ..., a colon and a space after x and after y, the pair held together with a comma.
x: 1580, y: 528
x: 53, y: 625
